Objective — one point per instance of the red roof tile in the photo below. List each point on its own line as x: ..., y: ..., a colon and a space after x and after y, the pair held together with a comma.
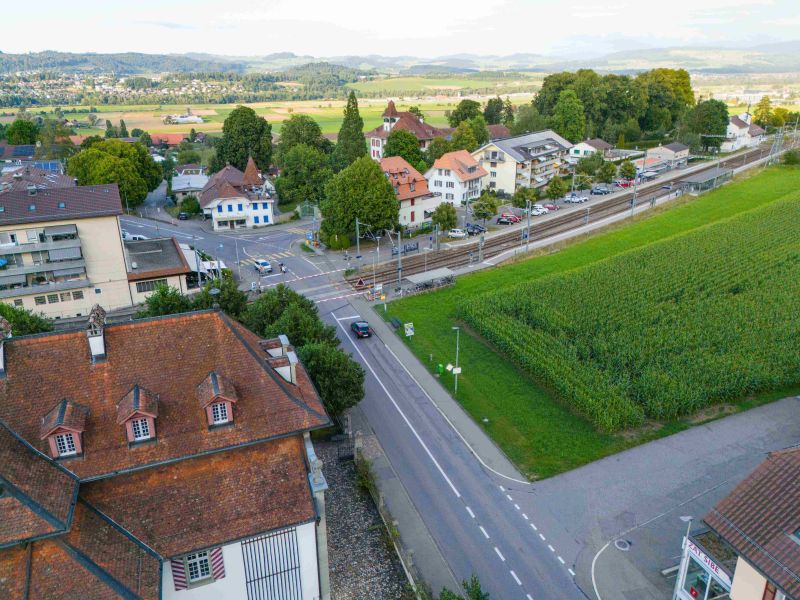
x: 13, y: 563
x: 410, y: 122
x: 390, y: 111
x: 78, y: 203
x: 243, y: 492
x: 402, y: 176
x: 498, y: 131
x: 251, y: 175
x: 57, y: 574
x: 760, y: 518
x: 216, y: 386
x: 460, y: 162
x: 170, y: 139
x: 66, y: 414
x: 40, y: 494
x: 137, y: 401
x: 169, y: 356
x: 20, y: 179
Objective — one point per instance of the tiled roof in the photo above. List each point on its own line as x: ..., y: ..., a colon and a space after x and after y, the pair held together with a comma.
x: 498, y: 131
x: 251, y: 175
x: 242, y: 492
x: 65, y: 413
x: 138, y: 400
x: 676, y: 147
x: 460, y: 162
x: 78, y: 203
x: 760, y: 518
x: 13, y: 561
x: 170, y: 139
x: 737, y: 122
x: 390, y: 111
x: 755, y: 130
x: 226, y: 183
x: 598, y: 144
x: 160, y: 257
x: 40, y: 495
x: 169, y: 356
x: 215, y: 386
x: 409, y: 122
x: 402, y: 175
x: 20, y: 152
x: 21, y: 178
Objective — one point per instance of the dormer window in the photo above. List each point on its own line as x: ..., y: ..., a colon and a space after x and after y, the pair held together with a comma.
x: 63, y: 427
x: 65, y: 444
x: 138, y: 411
x: 219, y: 413
x: 217, y: 395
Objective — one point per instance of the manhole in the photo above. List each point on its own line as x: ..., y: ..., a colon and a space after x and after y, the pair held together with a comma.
x: 623, y: 545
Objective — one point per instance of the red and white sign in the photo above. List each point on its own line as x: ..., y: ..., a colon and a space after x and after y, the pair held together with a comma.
x: 709, y: 564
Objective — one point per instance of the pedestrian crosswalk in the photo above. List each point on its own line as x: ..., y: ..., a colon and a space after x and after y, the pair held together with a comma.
x: 297, y: 230
x: 277, y: 257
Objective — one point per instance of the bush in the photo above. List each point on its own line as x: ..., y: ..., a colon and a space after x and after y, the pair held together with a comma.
x: 24, y: 322
x: 791, y: 157
x: 191, y: 205
x: 338, y: 242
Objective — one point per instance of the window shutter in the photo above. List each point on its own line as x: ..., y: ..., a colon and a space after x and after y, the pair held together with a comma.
x: 217, y: 564
x: 178, y: 574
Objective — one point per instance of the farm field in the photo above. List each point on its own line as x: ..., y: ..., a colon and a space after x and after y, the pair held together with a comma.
x: 327, y: 113
x: 539, y: 432
x: 427, y: 85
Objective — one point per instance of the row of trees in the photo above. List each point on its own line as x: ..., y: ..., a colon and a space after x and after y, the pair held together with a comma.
x: 281, y: 310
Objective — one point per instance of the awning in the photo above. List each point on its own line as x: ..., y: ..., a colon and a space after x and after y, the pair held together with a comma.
x: 73, y: 272
x: 61, y: 230
x: 12, y: 279
x: 64, y: 253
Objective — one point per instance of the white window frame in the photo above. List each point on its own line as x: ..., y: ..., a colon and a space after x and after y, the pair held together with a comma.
x: 67, y: 442
x: 219, y: 413
x: 198, y: 560
x: 141, y: 429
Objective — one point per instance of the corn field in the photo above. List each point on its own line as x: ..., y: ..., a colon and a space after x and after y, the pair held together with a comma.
x: 663, y: 331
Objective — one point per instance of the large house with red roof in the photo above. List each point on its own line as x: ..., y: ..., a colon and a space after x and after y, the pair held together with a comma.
x: 392, y: 118
x: 456, y: 177
x: 165, y: 458
x: 236, y: 200
x: 416, y: 203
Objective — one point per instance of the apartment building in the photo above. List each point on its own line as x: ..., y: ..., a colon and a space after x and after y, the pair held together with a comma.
x: 530, y: 160
x: 165, y: 458
x: 236, y: 200
x: 456, y: 177
x: 749, y: 546
x: 61, y: 250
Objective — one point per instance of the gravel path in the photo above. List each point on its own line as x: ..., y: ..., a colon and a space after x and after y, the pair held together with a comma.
x: 361, y: 565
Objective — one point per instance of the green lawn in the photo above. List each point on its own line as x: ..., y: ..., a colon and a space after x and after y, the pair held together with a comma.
x: 534, y: 429
x: 429, y: 85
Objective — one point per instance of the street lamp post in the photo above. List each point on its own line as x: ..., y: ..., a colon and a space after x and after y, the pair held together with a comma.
x: 458, y: 332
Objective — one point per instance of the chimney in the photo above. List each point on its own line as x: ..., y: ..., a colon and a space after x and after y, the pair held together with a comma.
x: 284, y: 342
x: 5, y: 333
x: 31, y: 189
x: 94, y: 331
x: 292, y: 366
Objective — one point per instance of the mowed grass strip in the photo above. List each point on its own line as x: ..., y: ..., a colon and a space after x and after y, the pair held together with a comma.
x: 539, y: 433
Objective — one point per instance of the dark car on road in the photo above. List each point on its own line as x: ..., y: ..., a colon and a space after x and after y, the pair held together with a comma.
x: 504, y: 221
x: 475, y: 229
x: 182, y: 216
x: 361, y: 329
x: 600, y: 191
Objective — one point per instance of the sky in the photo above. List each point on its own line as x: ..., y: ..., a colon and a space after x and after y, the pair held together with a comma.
x: 425, y: 28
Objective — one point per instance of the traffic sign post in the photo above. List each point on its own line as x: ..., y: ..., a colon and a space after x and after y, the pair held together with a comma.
x: 409, y: 328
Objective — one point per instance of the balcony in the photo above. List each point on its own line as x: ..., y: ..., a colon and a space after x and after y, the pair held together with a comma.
x: 73, y: 266
x: 46, y: 246
x: 44, y: 288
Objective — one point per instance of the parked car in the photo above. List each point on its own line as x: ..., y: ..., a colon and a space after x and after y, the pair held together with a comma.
x: 475, y: 229
x: 504, y: 221
x: 575, y: 199
x: 457, y: 234
x: 182, y: 216
x: 666, y: 187
x: 263, y: 266
x: 551, y: 207
x: 137, y: 237
x: 624, y: 183
x: 600, y: 191
x: 361, y: 329
x: 511, y: 217
x: 539, y: 211
x: 541, y: 207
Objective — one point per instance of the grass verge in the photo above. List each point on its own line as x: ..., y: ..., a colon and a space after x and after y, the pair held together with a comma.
x: 537, y: 432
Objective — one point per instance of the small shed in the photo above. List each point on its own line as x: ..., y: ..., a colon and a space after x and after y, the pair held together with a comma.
x: 706, y: 180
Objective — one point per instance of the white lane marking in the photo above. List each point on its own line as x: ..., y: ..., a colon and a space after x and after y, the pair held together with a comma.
x: 402, y: 414
x: 514, y: 575
x: 469, y: 510
x: 534, y: 527
x: 453, y: 427
x: 510, y: 499
x: 500, y: 554
x: 502, y: 489
x: 544, y: 539
x: 571, y: 572
x: 483, y: 531
x: 551, y: 548
x: 594, y: 560
x: 516, y: 506
x: 336, y: 298
x: 313, y: 264
x: 524, y: 516
x: 561, y: 560
x: 350, y: 318
x: 528, y: 596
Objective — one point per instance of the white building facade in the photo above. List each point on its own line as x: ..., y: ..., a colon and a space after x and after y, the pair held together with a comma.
x: 240, y: 212
x: 456, y: 177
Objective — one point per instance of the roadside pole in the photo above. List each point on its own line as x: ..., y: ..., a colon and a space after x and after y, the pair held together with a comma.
x: 456, y: 369
x: 399, y: 258
x: 528, y: 230
x: 358, y: 238
x: 238, y: 264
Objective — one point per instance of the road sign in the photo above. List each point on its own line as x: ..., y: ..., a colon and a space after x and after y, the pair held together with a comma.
x: 309, y: 235
x: 456, y: 370
x: 360, y: 282
x: 409, y: 327
x: 378, y: 287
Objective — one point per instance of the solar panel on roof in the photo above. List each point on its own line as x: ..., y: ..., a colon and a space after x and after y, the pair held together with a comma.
x: 23, y: 151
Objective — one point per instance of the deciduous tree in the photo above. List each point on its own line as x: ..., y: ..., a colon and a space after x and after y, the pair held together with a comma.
x: 709, y: 119
x: 627, y: 170
x: 300, y: 129
x: 762, y: 115
x: 123, y: 130
x: 607, y: 172
x: 528, y: 119
x: 405, y: 144
x: 244, y: 134
x: 465, y: 110
x: 437, y: 147
x: 569, y: 119
x: 556, y: 189
x: 22, y: 131
x: 523, y: 195
x: 464, y: 137
x: 24, y: 322
x: 493, y: 111
x: 304, y: 173
x: 444, y: 216
x: 165, y: 300
x: 337, y: 377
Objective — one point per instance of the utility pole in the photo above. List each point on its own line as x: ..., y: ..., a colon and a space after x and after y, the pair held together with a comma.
x: 635, y: 186
x: 458, y: 331
x: 528, y: 230
x: 358, y: 238
x: 399, y: 257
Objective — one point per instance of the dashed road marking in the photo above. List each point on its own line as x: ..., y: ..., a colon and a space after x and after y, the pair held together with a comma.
x: 510, y: 499
x: 534, y: 527
x: 544, y: 539
x: 524, y: 516
x: 514, y: 575
x: 561, y: 560
x: 500, y: 554
x: 551, y: 548
x: 516, y: 506
x: 528, y: 596
x: 469, y: 510
x: 571, y: 572
x: 483, y: 531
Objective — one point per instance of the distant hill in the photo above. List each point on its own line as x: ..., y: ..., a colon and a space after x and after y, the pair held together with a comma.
x: 764, y: 58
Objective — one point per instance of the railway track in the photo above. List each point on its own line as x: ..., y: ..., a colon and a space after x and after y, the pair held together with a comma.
x: 468, y: 253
